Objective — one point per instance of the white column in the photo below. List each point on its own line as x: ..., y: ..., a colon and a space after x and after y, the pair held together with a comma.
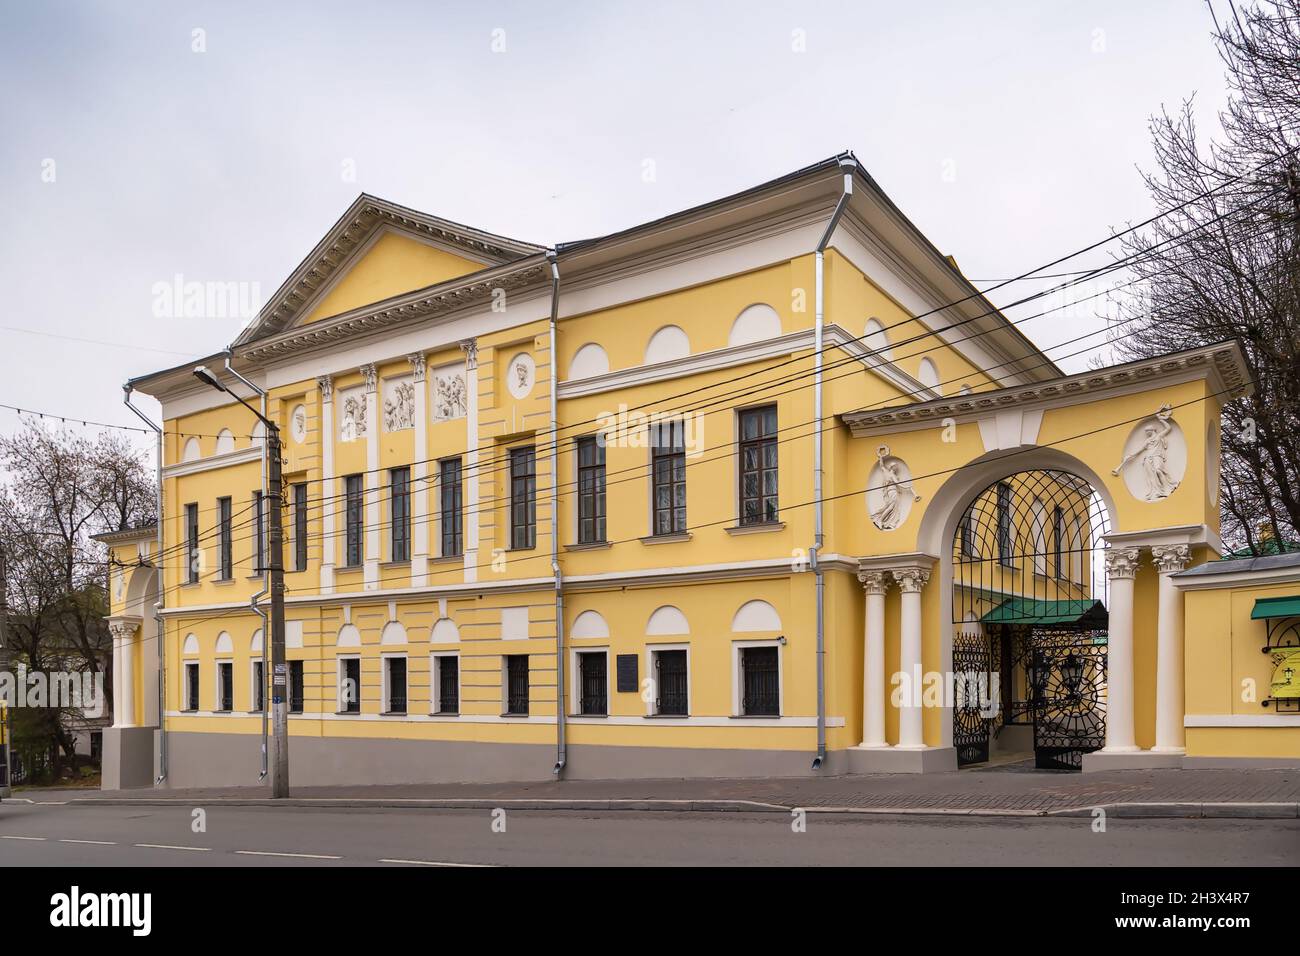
x: 374, y: 481
x: 911, y: 728
x: 1169, y: 560
x: 419, y: 478
x: 116, y: 630
x: 874, y: 691
x: 125, y: 691
x: 471, y: 501
x: 1121, y: 568
x: 327, y: 485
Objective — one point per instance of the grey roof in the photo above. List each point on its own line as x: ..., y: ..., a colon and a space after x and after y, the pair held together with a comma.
x: 1265, y: 562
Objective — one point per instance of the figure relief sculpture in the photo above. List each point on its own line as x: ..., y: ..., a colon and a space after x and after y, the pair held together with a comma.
x: 1152, y: 455
x: 891, y: 494
x: 449, y: 395
x: 353, y: 424
x: 399, y: 407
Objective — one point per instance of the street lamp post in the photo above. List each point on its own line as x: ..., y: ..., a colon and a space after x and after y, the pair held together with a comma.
x: 279, y: 756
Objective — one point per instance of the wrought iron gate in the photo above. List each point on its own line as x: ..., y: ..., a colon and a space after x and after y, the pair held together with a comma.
x: 1068, y: 680
x: 1029, y: 630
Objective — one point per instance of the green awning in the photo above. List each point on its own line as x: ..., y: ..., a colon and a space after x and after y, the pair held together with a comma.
x: 1018, y: 610
x: 1266, y: 608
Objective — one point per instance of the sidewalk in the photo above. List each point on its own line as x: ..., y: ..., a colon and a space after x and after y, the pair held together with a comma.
x: 1256, y: 794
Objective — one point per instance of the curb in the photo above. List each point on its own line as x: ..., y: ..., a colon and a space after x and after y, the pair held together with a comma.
x: 1127, y: 810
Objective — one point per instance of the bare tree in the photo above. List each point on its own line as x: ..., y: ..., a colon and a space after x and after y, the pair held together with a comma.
x: 60, y: 490
x: 1225, y: 262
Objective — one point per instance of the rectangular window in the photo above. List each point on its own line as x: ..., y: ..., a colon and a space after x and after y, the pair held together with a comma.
x: 1058, y: 542
x: 300, y: 527
x: 395, y: 685
x: 760, y: 682
x: 966, y: 533
x: 668, y: 456
x: 353, y: 499
x: 1006, y: 538
x: 593, y: 684
x: 591, y: 490
x: 223, y: 539
x: 523, y: 498
x: 192, y: 686
x: 450, y: 518
x: 446, y: 684
x: 758, y: 465
x: 350, y: 685
x: 516, y: 685
x: 225, y: 686
x: 399, y: 484
x: 670, y: 683
x: 295, y: 687
x: 259, y: 533
x: 192, y: 541
x: 259, y: 688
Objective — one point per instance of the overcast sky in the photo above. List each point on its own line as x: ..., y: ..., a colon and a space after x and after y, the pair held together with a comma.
x: 219, y: 141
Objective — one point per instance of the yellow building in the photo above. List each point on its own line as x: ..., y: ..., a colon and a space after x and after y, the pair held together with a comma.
x: 757, y: 488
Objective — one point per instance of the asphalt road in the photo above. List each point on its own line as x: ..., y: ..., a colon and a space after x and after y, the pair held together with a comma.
x: 52, y: 835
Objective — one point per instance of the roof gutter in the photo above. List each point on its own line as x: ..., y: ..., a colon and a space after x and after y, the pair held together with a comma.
x: 162, y: 591
x: 560, y: 753
x: 848, y: 165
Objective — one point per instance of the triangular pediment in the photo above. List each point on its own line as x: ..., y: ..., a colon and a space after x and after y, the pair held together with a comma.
x: 375, y: 251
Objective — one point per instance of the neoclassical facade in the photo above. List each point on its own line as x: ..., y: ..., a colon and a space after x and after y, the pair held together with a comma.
x: 762, y: 487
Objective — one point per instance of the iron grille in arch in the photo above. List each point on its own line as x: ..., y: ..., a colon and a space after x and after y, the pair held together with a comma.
x: 1026, y: 544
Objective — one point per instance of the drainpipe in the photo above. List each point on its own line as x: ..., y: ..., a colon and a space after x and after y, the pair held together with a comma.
x: 266, y: 579
x: 560, y: 756
x: 848, y: 164
x: 162, y: 591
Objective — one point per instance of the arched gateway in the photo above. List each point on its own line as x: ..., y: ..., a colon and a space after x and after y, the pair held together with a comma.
x: 1029, y: 621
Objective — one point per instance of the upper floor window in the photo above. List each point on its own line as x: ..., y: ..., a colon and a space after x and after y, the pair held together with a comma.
x: 300, y: 527
x: 1006, y: 536
x: 591, y: 490
x: 523, y: 497
x: 400, y: 513
x: 259, y: 532
x: 192, y: 543
x: 451, y: 497
x: 758, y: 475
x: 1058, y: 542
x: 353, y: 498
x: 223, y: 539
x: 668, y: 453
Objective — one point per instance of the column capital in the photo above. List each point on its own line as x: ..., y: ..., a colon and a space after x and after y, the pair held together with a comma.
x: 417, y: 365
x: 372, y: 376
x: 470, y: 348
x: 122, y: 629
x: 326, y: 385
x: 874, y: 582
x: 911, y: 580
x: 1122, y: 562
x: 1170, y: 558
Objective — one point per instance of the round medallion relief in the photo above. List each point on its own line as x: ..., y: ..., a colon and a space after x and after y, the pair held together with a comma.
x: 521, y: 375
x: 298, y: 424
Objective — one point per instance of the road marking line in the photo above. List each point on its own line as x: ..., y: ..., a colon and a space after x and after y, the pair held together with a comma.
x: 91, y: 842
x: 435, y: 863
x: 20, y: 838
x: 300, y: 856
x: 164, y: 846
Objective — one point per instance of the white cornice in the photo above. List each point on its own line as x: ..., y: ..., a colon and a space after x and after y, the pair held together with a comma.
x: 1223, y: 365
x: 734, y: 355
x: 239, y: 456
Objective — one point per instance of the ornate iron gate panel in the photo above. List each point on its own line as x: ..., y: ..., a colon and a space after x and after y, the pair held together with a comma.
x: 1068, y: 680
x: 975, y: 662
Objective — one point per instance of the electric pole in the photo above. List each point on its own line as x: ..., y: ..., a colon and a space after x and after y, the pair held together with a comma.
x: 279, y: 666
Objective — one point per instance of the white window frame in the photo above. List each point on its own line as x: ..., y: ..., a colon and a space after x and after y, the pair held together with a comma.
x: 338, y: 684
x: 216, y: 704
x: 575, y: 683
x: 650, y: 651
x: 435, y: 684
x: 738, y: 677
x: 185, y: 688
x: 386, y: 700
x: 252, y: 685
x: 505, y: 686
